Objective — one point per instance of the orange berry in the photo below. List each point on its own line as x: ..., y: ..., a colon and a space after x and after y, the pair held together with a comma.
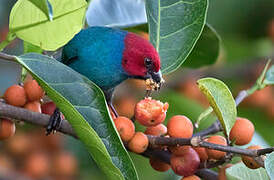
x: 34, y: 106
x: 202, y: 153
x: 125, y: 127
x: 125, y: 106
x: 215, y: 154
x: 6, y: 162
x: 222, y: 171
x: 65, y: 164
x: 242, y: 131
x: 15, y: 95
x: 19, y: 145
x: 180, y: 127
x: 260, y: 98
x: 270, y: 109
x: 33, y: 90
x: 37, y: 165
x: 190, y: 89
x: 270, y: 29
x: 193, y: 177
x: 249, y: 161
x: 159, y: 165
x: 150, y: 112
x: 7, y: 129
x: 157, y: 130
x: 138, y: 143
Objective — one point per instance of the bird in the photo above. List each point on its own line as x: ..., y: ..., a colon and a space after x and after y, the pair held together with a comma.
x: 108, y: 56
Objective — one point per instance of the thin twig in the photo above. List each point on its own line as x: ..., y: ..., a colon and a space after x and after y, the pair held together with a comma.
x: 197, y: 141
x: 207, y: 174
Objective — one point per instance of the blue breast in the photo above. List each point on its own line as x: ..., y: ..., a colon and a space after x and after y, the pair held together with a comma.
x: 97, y: 53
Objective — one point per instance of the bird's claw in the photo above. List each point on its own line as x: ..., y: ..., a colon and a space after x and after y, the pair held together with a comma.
x: 55, y: 122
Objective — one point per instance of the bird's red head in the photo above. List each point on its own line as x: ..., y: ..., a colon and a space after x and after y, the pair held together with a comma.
x: 139, y: 56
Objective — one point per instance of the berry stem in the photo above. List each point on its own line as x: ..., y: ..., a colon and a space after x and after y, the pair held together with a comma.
x: 207, y: 174
x: 214, y: 128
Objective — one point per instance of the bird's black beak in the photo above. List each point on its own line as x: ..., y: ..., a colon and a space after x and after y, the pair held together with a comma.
x: 156, y: 77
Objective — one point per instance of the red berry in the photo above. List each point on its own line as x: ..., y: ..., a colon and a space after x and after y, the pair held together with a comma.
x: 193, y: 177
x: 185, y: 164
x: 48, y: 108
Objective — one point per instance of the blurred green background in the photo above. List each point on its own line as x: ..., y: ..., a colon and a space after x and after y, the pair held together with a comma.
x: 247, y: 32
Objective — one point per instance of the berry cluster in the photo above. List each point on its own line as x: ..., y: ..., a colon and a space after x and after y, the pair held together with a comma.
x: 34, y: 155
x: 28, y: 149
x: 185, y: 160
x: 28, y: 96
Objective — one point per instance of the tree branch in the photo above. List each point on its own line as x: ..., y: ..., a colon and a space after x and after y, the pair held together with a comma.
x: 7, y: 57
x: 39, y: 119
x: 35, y: 118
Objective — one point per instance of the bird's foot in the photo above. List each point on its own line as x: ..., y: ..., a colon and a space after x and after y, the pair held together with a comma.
x: 113, y: 110
x: 55, y: 122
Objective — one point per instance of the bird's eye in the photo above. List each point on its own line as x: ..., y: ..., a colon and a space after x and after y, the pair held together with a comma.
x: 148, y: 62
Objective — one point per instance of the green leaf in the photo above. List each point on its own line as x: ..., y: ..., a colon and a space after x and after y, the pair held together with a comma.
x: 174, y: 28
x: 221, y: 100
x: 28, y: 48
x: 45, y: 6
x: 206, y: 50
x: 241, y: 172
x: 184, y: 106
x: 269, y: 165
x: 204, y: 114
x: 32, y: 25
x: 84, y: 106
x: 269, y: 77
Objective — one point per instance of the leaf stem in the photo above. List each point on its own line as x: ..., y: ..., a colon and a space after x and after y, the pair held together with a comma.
x: 259, y: 82
x: 7, y: 41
